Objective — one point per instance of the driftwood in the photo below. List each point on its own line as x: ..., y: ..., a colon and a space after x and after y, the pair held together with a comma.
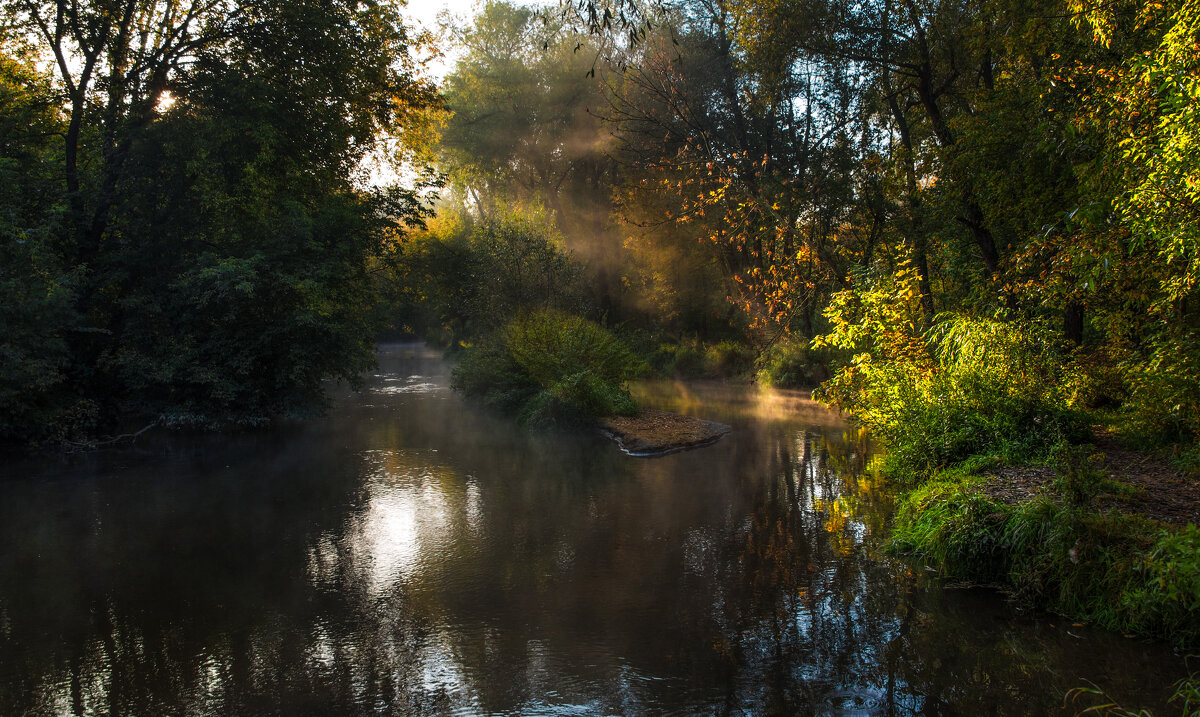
x: 111, y: 441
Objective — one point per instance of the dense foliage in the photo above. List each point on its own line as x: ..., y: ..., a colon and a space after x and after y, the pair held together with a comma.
x: 185, y: 239
x: 465, y: 277
x: 964, y: 387
x: 549, y: 367
x: 1030, y: 168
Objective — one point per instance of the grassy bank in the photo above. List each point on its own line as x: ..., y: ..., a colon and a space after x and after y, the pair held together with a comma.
x: 990, y: 425
x: 1059, y: 550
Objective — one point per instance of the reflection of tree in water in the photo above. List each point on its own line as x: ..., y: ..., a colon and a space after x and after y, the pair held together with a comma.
x: 807, y: 621
x: 156, y: 594
x: 822, y: 622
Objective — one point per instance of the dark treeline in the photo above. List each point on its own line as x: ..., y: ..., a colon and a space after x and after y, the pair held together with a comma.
x: 183, y: 238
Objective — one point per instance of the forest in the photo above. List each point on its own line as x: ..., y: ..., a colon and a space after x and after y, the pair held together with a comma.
x: 972, y: 227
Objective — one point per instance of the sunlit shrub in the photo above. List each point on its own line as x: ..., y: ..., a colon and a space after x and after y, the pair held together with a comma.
x: 935, y: 397
x: 550, y: 367
x: 553, y: 345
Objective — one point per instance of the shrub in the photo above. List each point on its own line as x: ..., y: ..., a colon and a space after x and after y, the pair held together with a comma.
x: 682, y: 360
x: 489, y: 374
x: 464, y: 279
x: 550, y: 367
x: 792, y: 364
x: 964, y: 387
x: 1164, y: 405
x: 1096, y: 379
x: 553, y: 345
x: 728, y: 358
x: 691, y: 358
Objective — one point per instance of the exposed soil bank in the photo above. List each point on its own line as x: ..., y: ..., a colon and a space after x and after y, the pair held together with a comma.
x: 1159, y: 490
x: 655, y: 433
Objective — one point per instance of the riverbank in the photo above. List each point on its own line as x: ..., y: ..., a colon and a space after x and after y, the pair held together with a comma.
x: 1102, y: 534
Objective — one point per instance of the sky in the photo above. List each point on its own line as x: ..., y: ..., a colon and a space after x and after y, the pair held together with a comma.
x: 423, y: 13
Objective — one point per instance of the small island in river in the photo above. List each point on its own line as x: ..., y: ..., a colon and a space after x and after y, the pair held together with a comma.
x: 655, y: 433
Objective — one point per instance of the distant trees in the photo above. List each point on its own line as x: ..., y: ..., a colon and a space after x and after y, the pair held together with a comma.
x: 190, y: 242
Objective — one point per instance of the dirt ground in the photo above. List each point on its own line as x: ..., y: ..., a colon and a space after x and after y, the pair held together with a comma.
x: 1161, y: 491
x: 654, y: 432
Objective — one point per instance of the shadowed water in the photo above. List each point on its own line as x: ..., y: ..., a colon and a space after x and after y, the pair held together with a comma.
x: 412, y: 555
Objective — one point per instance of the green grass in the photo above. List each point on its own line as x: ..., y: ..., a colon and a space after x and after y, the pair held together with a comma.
x: 1121, y: 572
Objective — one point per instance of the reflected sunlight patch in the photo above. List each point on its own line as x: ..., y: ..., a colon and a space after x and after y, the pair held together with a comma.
x: 413, y: 510
x: 407, y: 384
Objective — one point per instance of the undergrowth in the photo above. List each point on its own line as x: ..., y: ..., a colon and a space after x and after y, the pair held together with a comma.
x: 933, y: 397
x: 1118, y: 571
x: 550, y: 368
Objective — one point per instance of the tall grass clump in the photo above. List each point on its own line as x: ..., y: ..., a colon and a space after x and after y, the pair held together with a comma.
x: 936, y: 396
x: 550, y: 367
x: 1121, y: 572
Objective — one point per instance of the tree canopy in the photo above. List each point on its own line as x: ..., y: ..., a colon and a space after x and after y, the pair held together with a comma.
x: 190, y: 241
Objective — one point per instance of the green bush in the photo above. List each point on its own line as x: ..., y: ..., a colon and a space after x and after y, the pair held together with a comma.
x: 464, y: 279
x: 552, y: 345
x: 967, y: 386
x: 681, y: 360
x: 489, y: 374
x: 728, y: 358
x: 691, y: 358
x: 550, y: 367
x: 1164, y: 405
x: 792, y: 364
x: 1096, y: 379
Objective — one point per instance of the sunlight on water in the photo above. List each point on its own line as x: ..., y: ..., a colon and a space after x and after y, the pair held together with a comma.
x: 407, y: 521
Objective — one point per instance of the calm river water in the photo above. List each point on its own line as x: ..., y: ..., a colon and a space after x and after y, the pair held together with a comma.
x: 409, y: 554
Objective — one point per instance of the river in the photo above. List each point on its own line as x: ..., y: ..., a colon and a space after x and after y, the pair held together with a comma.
x: 410, y: 554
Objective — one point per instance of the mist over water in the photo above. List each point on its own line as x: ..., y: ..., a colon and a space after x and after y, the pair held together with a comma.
x: 410, y: 554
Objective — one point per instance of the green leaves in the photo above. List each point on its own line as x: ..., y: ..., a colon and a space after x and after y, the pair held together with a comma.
x: 215, y: 252
x: 551, y: 367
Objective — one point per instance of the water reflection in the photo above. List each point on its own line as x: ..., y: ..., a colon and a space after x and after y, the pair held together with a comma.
x: 409, y: 555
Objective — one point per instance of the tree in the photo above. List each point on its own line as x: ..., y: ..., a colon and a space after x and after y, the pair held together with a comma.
x: 212, y: 213
x: 36, y: 288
